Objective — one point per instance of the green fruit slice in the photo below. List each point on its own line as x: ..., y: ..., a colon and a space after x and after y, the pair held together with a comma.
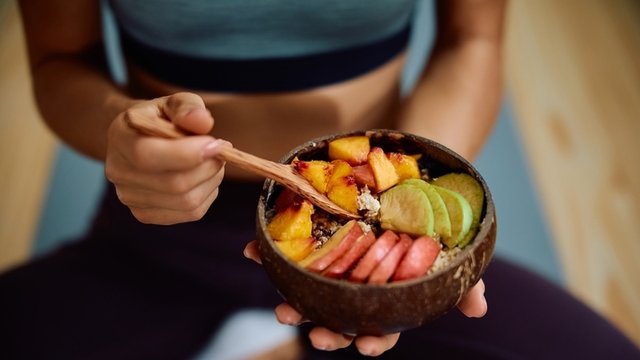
x: 467, y: 186
x: 442, y: 223
x: 405, y: 208
x: 460, y: 215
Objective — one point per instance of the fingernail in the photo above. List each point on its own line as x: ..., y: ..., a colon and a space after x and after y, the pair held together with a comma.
x: 213, y: 148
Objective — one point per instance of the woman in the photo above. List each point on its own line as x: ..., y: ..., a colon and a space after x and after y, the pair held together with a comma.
x: 159, y: 270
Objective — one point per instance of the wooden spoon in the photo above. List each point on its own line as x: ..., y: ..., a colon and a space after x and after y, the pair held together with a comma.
x: 282, y: 174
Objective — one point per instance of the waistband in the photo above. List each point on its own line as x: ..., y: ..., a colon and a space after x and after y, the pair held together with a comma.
x: 263, y: 75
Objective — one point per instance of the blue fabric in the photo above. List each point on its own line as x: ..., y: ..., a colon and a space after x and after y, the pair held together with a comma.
x: 258, y: 29
x: 264, y: 75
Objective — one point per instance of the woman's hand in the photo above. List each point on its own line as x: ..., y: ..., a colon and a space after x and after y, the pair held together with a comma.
x: 473, y: 304
x: 166, y: 181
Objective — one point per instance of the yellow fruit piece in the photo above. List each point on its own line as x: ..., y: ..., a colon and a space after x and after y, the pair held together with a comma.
x: 352, y: 149
x: 383, y: 170
x: 342, y: 188
x: 292, y: 223
x: 405, y: 165
x: 317, y: 172
x: 297, y: 249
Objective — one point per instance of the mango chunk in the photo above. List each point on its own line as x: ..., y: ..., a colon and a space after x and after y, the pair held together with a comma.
x: 297, y: 249
x: 405, y: 165
x: 292, y: 223
x: 317, y: 172
x: 352, y: 149
x: 383, y: 170
x: 342, y: 188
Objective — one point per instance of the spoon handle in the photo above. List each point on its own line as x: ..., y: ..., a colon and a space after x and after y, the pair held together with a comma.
x: 283, y: 174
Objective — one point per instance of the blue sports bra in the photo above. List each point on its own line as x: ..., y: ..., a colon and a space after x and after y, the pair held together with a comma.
x: 261, y: 45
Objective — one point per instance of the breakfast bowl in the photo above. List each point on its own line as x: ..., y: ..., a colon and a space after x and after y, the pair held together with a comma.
x: 347, y: 301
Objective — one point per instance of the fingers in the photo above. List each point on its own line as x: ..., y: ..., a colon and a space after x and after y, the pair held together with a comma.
x: 251, y: 252
x: 321, y: 338
x: 162, y: 216
x: 288, y: 316
x: 187, y: 110
x: 180, y: 196
x: 166, y: 181
x: 376, y: 345
x: 325, y: 339
x: 156, y: 154
x: 473, y: 303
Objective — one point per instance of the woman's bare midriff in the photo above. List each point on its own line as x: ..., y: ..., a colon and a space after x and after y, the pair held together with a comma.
x: 271, y: 124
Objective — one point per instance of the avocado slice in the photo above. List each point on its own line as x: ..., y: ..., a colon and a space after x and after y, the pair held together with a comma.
x: 470, y: 188
x: 442, y: 223
x: 406, y: 208
x: 460, y: 215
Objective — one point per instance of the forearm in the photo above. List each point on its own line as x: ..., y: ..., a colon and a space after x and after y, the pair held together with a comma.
x: 78, y: 102
x: 457, y: 100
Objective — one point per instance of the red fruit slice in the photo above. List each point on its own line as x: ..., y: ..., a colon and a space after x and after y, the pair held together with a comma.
x: 286, y: 198
x: 388, y: 265
x: 344, y: 263
x: 374, y: 255
x: 336, y: 246
x: 418, y: 260
x: 364, y: 176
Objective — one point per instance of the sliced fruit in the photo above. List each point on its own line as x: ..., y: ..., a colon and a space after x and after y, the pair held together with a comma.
x: 292, y: 223
x: 297, y: 249
x: 460, y: 215
x: 467, y: 186
x: 385, y: 269
x: 364, y: 176
x: 339, y: 267
x: 406, y: 208
x: 352, y: 149
x: 441, y: 221
x: 335, y: 247
x: 317, y: 172
x: 383, y: 170
x: 373, y: 256
x: 405, y: 165
x: 342, y: 188
x: 287, y: 198
x: 418, y: 259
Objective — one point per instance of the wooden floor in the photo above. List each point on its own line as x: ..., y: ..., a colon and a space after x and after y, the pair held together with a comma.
x: 574, y: 77
x: 26, y: 146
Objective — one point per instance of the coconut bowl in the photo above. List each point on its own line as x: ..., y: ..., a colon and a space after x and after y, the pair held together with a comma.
x: 365, y: 309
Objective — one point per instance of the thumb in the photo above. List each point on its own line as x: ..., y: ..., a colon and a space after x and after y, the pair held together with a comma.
x: 188, y: 112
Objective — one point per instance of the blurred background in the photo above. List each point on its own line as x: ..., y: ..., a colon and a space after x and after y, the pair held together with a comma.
x: 563, y: 161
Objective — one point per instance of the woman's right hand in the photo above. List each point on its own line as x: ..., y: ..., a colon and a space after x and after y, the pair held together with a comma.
x: 166, y: 181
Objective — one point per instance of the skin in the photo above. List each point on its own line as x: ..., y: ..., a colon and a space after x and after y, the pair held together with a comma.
x: 166, y: 182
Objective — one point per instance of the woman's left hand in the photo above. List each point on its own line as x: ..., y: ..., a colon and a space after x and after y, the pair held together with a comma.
x: 473, y: 304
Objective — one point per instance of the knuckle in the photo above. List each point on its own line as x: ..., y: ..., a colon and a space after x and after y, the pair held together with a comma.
x: 111, y: 173
x: 122, y: 196
x: 142, y: 216
x: 196, y: 214
x: 191, y: 201
x: 179, y: 185
x: 179, y: 98
x: 139, y: 158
